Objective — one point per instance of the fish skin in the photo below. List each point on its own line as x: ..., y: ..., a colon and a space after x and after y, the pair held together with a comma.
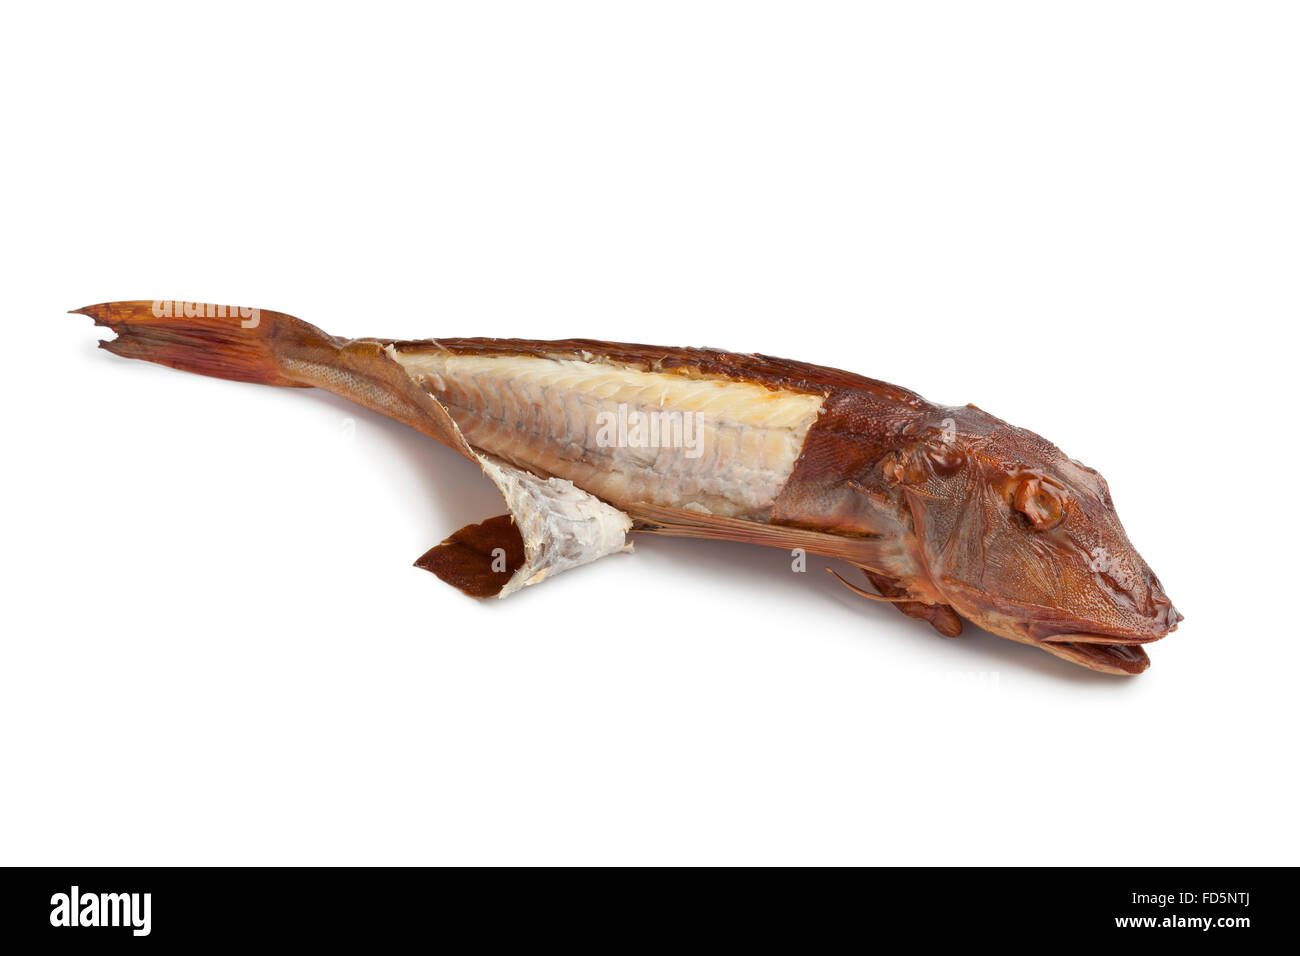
x: 950, y: 512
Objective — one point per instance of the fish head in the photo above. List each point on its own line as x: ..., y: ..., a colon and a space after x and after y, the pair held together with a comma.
x: 1025, y: 542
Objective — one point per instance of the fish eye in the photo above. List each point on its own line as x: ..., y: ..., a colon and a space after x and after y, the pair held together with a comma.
x: 1042, y: 504
x: 945, y: 460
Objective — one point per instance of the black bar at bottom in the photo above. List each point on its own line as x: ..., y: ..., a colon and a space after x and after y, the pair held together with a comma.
x: 377, y: 906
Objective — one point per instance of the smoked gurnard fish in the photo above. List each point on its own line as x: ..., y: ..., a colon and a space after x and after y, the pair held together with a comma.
x: 948, y: 512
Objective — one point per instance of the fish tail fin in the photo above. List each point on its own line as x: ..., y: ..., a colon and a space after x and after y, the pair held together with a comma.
x: 246, y: 345
x: 271, y: 348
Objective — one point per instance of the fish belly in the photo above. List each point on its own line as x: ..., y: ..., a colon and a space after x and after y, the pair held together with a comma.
x: 630, y: 436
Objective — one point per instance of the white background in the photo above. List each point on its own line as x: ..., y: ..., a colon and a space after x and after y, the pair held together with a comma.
x: 215, y: 650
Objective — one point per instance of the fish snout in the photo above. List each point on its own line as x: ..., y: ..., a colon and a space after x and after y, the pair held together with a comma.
x: 1161, y: 610
x: 1141, y: 612
x: 1138, y: 595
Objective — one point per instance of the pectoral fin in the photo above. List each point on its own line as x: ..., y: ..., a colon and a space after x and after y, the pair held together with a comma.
x: 941, y: 617
x: 479, y: 558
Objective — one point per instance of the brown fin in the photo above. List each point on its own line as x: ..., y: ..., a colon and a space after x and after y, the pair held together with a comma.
x: 863, y: 591
x: 679, y: 523
x: 466, y: 560
x: 271, y: 348
x: 940, y: 616
x: 221, y: 341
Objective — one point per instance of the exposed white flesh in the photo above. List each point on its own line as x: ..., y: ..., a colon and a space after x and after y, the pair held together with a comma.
x: 553, y: 417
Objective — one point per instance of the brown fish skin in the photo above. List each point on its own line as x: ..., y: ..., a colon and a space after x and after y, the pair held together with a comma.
x: 949, y: 510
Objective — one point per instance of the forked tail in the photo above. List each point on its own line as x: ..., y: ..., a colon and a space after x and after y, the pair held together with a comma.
x: 246, y: 345
x: 271, y: 348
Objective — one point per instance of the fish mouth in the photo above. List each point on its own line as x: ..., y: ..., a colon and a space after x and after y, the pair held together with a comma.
x: 1112, y: 658
x: 1114, y: 637
x: 1097, y: 646
x: 1115, y: 652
